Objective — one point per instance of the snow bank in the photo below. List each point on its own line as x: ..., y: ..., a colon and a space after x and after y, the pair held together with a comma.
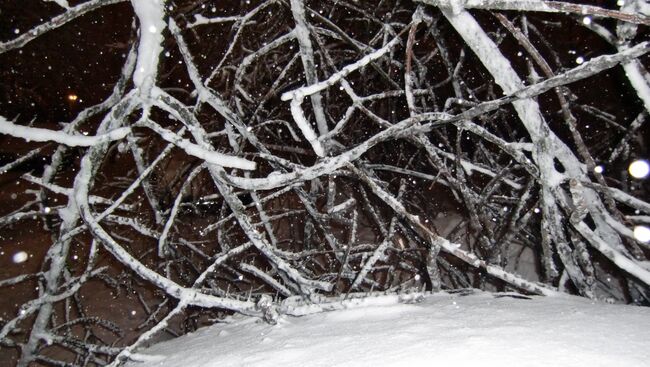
x: 443, y: 330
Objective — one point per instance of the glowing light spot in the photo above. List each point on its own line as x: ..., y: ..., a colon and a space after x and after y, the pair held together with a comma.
x: 639, y: 168
x: 586, y: 20
x: 20, y: 257
x: 599, y: 169
x: 580, y: 60
x: 642, y: 234
x: 153, y: 29
x: 73, y: 97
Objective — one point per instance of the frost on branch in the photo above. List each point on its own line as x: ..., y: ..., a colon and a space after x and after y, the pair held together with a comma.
x: 196, y: 160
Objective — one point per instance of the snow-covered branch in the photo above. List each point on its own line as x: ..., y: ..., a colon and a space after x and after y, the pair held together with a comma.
x: 540, y: 6
x: 151, y: 14
x: 43, y: 135
x: 250, y: 156
x: 308, y: 90
x: 199, y: 152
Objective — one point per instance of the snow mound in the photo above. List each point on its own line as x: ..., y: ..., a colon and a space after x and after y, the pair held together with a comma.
x: 481, y: 329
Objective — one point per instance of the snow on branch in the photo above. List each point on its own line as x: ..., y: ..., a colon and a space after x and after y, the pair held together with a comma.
x: 200, y: 20
x: 42, y: 135
x: 587, y: 69
x: 183, y: 294
x: 296, y: 96
x: 151, y: 15
x: 305, y: 127
x: 326, y: 165
x: 301, y: 32
x: 612, y: 254
x: 62, y: 3
x: 540, y: 6
x: 449, y: 247
x: 580, y: 72
x: 547, y: 147
x: 336, y: 77
x: 546, y: 142
x: 409, y: 125
x: 634, y: 70
x: 518, y: 92
x: 67, y: 192
x: 195, y: 150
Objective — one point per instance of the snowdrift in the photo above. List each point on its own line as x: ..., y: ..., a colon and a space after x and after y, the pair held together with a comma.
x: 481, y: 329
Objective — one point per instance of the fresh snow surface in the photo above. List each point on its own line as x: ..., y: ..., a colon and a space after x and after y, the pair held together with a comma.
x: 480, y: 329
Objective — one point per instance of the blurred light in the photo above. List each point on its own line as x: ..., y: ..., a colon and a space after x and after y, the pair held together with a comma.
x: 72, y: 97
x: 639, y: 168
x: 642, y: 234
x: 599, y: 169
x: 20, y: 257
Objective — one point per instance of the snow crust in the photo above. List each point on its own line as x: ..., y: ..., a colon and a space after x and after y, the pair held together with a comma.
x: 442, y: 330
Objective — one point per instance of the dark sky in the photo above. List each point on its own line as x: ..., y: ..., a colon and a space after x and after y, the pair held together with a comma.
x: 81, y: 58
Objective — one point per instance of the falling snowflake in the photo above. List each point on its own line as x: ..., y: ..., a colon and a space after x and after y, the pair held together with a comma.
x: 20, y: 257
x: 642, y: 234
x: 639, y: 168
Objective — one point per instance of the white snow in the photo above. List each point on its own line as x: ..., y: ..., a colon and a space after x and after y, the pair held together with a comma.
x: 442, y: 330
x: 199, y: 152
x: 42, y: 135
x: 297, y: 95
x: 635, y: 74
x: 308, y: 90
x: 151, y: 14
x: 305, y: 127
x: 61, y: 3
